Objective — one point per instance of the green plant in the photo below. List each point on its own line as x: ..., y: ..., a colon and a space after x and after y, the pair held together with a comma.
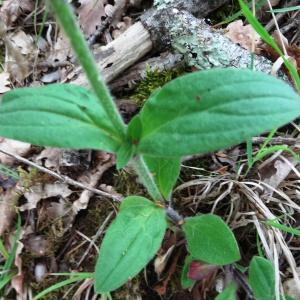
x: 200, y: 112
x: 6, y: 272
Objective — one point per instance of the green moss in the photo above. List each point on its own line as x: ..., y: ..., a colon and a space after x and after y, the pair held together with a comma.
x: 154, y: 79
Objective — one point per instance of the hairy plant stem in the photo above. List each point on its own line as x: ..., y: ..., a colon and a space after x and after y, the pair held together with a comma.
x: 146, y: 177
x: 66, y: 18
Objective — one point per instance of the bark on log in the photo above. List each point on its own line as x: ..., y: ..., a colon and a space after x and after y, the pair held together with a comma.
x: 201, y: 45
x: 134, y: 43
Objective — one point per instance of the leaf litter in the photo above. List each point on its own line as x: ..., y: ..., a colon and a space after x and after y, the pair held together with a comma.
x: 54, y: 211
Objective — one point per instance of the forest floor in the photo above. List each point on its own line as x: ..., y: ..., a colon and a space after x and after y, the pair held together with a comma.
x: 48, y: 211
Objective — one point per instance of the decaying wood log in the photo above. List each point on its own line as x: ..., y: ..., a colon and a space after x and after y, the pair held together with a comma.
x: 135, y: 42
x: 172, y: 24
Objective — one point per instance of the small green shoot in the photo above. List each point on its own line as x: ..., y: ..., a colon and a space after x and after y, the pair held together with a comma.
x: 286, y: 9
x: 6, y: 272
x: 275, y: 224
x: 269, y: 40
x: 74, y: 277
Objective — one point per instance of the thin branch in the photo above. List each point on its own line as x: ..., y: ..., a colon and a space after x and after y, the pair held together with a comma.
x: 63, y: 178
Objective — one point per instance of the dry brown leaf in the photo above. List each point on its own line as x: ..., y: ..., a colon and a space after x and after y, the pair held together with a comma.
x: 61, y: 50
x: 91, y: 13
x: 4, y: 82
x: 292, y: 50
x: 19, y: 53
x: 43, y: 191
x: 122, y: 27
x: 8, y: 201
x: 274, y: 171
x: 37, y: 245
x: 14, y: 147
x: 50, y: 156
x: 58, y: 209
x: 290, y: 287
x: 17, y: 281
x: 12, y: 9
x: 242, y: 35
x: 22, y: 41
x: 161, y: 261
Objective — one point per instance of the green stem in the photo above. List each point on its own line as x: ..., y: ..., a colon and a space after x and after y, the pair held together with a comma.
x: 66, y: 17
x: 146, y: 177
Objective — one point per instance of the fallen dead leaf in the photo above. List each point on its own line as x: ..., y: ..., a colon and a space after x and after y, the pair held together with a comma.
x: 90, y: 15
x: 14, y: 147
x: 17, y: 281
x: 292, y: 50
x: 161, y: 261
x: 12, y: 9
x: 242, y: 34
x: 274, y: 171
x: 8, y: 201
x: 201, y: 271
x: 50, y: 156
x: 61, y: 50
x: 290, y: 287
x: 4, y: 82
x: 43, y: 191
x: 22, y: 41
x: 37, y: 245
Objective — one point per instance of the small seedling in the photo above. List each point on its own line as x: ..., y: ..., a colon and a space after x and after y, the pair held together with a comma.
x: 196, y: 113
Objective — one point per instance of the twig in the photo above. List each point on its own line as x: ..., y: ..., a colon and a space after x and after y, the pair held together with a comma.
x: 277, y: 140
x: 63, y: 178
x: 96, y: 236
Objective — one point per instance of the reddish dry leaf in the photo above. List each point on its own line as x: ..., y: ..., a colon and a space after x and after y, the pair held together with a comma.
x: 242, y: 35
x: 200, y: 270
x: 292, y: 50
x: 91, y: 13
x: 161, y: 287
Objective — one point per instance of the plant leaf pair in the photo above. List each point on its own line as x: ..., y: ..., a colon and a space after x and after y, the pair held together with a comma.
x: 199, y: 112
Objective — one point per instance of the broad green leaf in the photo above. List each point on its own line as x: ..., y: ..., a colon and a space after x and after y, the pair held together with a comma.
x: 185, y: 281
x: 165, y: 172
x: 124, y: 155
x: 130, y: 243
x: 210, y: 239
x: 209, y: 110
x: 229, y: 293
x: 262, y: 278
x: 58, y: 115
